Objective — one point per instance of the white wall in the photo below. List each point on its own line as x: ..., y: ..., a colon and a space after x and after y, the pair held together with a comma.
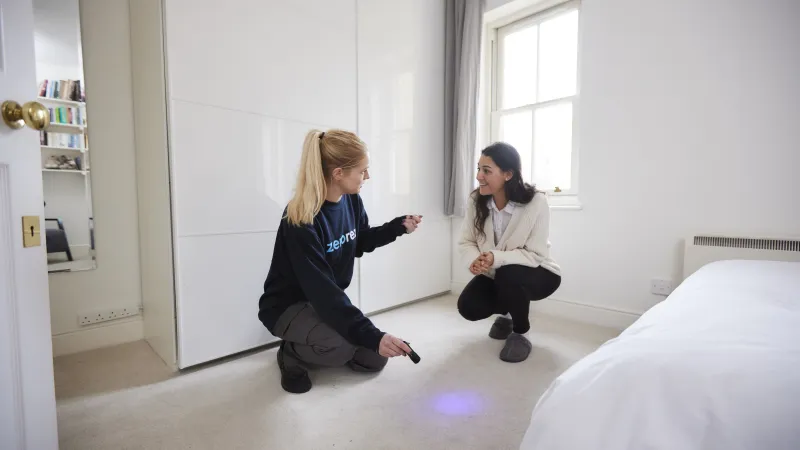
x: 494, y: 4
x: 688, y: 123
x: 152, y: 176
x: 241, y: 101
x: 116, y: 281
x: 65, y: 195
x: 57, y: 40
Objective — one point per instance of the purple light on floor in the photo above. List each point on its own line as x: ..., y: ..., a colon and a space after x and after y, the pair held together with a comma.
x: 462, y: 403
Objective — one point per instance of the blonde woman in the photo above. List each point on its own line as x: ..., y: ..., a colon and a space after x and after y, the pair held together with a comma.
x: 323, y: 230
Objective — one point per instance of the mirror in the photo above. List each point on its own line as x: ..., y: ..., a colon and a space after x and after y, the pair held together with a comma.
x: 66, y: 168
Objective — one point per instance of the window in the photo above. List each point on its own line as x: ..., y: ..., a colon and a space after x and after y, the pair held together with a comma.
x: 534, y: 95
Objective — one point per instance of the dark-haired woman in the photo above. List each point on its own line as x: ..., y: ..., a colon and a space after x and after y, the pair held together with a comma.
x: 505, y: 243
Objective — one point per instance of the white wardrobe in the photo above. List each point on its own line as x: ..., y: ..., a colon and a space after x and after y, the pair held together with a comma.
x: 238, y: 84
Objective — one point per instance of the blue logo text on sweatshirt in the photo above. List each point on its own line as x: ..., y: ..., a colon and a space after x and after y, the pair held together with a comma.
x: 339, y: 243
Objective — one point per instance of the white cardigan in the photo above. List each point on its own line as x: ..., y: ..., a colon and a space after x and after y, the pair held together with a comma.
x: 526, y: 241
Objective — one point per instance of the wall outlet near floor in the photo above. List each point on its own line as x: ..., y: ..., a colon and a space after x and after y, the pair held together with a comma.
x: 661, y: 287
x: 104, y: 315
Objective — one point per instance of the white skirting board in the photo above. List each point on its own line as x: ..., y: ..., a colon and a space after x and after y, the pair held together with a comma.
x: 105, y: 335
x: 578, y: 312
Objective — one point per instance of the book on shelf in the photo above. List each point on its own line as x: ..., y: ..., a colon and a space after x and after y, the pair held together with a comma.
x: 71, y: 90
x: 63, y: 140
x: 67, y: 115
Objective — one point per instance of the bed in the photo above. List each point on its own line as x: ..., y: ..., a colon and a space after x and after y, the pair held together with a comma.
x: 714, y: 366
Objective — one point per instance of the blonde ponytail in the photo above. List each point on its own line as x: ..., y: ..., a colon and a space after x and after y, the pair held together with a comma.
x: 312, y: 187
x: 322, y: 153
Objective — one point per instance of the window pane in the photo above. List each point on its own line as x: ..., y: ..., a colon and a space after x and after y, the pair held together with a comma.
x: 558, y: 56
x: 516, y: 129
x: 519, y: 68
x: 552, y: 143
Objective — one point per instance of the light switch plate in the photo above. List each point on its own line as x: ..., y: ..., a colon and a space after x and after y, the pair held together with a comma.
x: 661, y: 287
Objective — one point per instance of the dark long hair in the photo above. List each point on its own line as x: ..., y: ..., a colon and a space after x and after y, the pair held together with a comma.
x: 517, y: 190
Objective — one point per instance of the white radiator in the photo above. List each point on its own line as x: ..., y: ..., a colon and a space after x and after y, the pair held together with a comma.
x: 704, y: 249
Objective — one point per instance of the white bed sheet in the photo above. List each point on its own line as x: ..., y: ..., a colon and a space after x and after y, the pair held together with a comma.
x: 714, y: 366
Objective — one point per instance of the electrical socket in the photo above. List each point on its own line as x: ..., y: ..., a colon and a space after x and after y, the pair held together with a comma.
x: 661, y: 287
x: 92, y: 317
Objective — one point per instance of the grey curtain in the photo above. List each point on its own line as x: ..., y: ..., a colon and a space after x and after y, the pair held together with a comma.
x: 463, y: 27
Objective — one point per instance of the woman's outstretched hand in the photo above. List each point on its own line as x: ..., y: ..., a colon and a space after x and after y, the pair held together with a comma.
x: 391, y: 346
x: 411, y: 223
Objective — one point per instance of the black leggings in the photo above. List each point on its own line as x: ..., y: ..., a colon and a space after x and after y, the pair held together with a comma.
x: 511, y: 292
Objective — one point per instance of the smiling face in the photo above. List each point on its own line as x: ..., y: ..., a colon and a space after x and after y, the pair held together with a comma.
x: 491, y: 178
x: 352, y: 179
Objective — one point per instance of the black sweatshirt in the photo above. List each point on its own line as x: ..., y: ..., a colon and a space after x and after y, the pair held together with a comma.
x: 314, y: 263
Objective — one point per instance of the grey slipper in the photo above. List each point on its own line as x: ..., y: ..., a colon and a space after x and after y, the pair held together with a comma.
x: 501, y: 328
x: 517, y: 348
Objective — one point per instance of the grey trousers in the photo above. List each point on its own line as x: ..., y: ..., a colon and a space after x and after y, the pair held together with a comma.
x: 310, y: 343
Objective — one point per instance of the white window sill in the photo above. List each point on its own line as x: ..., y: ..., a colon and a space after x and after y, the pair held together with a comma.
x: 564, y: 203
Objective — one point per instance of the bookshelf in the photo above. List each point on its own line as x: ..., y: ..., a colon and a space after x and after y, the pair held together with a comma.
x: 79, y: 172
x: 60, y: 101
x: 67, y: 128
x: 64, y: 149
x: 65, y: 137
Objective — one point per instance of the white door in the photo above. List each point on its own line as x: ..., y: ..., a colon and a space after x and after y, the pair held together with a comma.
x: 27, y: 395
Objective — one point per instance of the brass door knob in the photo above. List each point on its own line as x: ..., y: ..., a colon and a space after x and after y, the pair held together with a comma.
x: 34, y: 114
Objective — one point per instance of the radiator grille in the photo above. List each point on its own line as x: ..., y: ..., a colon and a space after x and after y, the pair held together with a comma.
x: 758, y: 244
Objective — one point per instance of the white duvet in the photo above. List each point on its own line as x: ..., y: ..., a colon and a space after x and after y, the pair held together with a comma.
x: 715, y: 366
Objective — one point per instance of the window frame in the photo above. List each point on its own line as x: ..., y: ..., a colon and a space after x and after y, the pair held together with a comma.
x: 493, y: 90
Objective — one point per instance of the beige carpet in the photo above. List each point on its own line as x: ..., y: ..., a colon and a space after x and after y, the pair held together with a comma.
x: 461, y: 396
